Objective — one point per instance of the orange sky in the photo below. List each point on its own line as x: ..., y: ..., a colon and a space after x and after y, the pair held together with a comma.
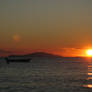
x: 62, y: 27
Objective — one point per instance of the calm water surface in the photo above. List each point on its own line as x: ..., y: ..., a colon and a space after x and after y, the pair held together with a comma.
x: 46, y: 75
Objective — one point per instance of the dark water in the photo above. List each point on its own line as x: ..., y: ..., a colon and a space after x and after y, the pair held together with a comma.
x: 46, y: 75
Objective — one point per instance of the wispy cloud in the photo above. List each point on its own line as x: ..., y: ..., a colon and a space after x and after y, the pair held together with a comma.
x: 5, y: 51
x: 70, y: 51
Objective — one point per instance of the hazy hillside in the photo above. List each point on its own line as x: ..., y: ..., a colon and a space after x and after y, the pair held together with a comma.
x: 43, y: 54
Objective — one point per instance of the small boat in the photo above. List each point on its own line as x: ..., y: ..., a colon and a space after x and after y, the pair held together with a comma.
x: 17, y: 59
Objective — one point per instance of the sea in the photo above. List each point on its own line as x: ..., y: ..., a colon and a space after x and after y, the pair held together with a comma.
x: 47, y: 75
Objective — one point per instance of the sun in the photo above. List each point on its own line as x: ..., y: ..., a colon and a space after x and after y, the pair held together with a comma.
x: 89, y: 52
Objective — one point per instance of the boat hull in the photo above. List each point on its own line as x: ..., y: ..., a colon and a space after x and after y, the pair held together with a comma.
x: 17, y: 60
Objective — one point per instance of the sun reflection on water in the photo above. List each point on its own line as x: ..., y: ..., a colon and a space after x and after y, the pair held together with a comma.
x: 89, y: 73
x: 89, y: 85
x: 89, y: 79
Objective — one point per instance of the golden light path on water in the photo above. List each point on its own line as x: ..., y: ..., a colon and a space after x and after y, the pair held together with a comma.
x: 89, y: 79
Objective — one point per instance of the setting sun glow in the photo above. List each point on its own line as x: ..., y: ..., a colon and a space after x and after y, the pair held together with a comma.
x: 89, y: 52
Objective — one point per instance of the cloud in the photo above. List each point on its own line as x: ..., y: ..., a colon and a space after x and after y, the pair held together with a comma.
x: 70, y: 51
x: 4, y: 51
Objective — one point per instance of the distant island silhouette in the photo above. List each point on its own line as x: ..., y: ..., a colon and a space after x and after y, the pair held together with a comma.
x: 43, y: 54
x: 27, y: 57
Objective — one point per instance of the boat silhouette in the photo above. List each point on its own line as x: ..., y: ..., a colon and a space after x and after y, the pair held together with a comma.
x: 17, y: 59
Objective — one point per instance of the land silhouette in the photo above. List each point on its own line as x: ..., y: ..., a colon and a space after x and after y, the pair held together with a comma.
x: 28, y: 57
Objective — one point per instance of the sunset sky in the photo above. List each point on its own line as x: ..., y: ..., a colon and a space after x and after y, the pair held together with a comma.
x: 62, y: 27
